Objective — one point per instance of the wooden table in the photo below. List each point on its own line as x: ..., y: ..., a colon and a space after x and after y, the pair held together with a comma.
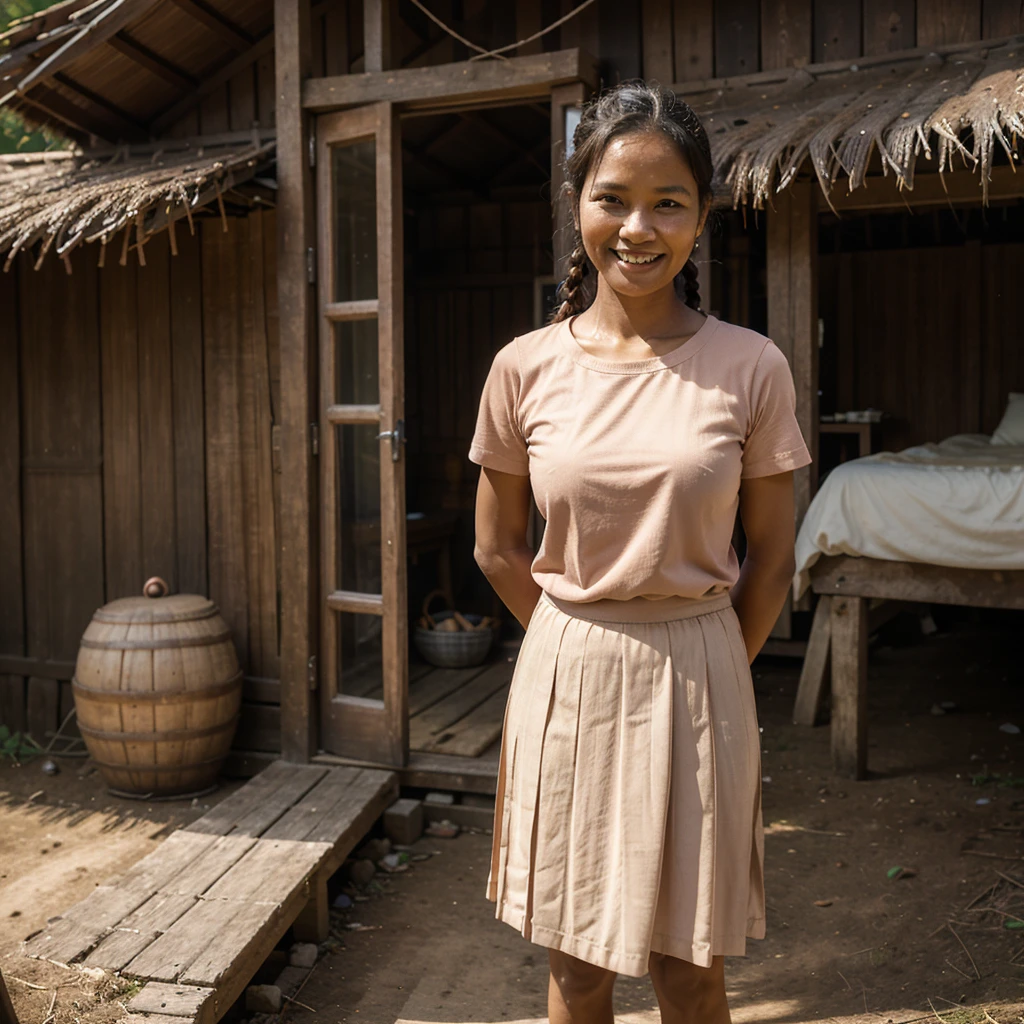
x: 839, y: 633
x: 862, y: 431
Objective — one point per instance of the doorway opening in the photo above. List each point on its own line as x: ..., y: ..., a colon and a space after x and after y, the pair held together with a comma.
x: 478, y: 266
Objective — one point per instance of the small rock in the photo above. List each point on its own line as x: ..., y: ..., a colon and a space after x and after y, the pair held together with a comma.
x: 374, y: 849
x: 937, y: 709
x: 394, y: 862
x: 766, y: 778
x: 342, y: 901
x: 263, y: 998
x: 823, y: 903
x: 443, y: 829
x: 52, y: 768
x: 440, y: 798
x: 302, y: 954
x: 1009, y: 727
x: 982, y: 801
x: 361, y: 871
x: 418, y: 858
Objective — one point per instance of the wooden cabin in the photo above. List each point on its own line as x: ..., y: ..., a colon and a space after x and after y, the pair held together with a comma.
x: 250, y: 317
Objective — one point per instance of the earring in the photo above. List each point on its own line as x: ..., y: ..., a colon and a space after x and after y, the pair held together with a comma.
x: 696, y: 245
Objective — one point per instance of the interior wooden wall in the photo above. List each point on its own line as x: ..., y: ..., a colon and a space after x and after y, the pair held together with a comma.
x: 931, y: 336
x: 471, y: 274
x: 137, y: 412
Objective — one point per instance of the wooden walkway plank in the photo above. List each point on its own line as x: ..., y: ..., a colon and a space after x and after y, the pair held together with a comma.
x: 268, y: 872
x: 304, y: 816
x: 472, y: 735
x: 229, y: 962
x: 424, y: 727
x: 438, y: 685
x: 209, y: 866
x: 138, y: 930
x: 174, y: 1001
x: 356, y: 810
x: 183, y: 942
x: 260, y: 802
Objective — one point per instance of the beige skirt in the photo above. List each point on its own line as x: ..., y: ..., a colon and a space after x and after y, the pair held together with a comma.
x: 628, y: 814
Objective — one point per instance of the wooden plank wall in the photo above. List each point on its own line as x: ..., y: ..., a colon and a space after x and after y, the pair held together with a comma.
x: 137, y: 412
x: 948, y: 350
x: 471, y: 292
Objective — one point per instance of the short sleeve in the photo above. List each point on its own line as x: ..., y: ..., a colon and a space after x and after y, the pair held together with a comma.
x: 774, y: 443
x: 498, y: 442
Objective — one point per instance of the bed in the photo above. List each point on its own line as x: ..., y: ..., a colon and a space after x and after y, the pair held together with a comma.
x: 937, y: 523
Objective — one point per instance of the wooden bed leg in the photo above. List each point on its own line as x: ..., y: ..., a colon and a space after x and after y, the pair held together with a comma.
x: 812, y: 675
x: 7, y: 1015
x: 849, y: 620
x: 313, y: 923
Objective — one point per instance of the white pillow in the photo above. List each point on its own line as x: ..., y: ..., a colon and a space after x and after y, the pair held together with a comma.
x: 1011, y: 426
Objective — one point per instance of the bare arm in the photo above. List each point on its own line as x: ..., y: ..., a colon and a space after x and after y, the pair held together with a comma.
x: 767, y: 513
x: 502, y: 517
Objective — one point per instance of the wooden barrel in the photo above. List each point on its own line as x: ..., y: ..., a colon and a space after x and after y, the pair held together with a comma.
x: 157, y: 691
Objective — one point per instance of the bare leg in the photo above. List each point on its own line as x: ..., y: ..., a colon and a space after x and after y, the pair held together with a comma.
x: 688, y: 994
x: 578, y: 992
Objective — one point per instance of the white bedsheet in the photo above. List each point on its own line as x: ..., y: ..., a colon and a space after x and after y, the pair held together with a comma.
x: 958, y: 503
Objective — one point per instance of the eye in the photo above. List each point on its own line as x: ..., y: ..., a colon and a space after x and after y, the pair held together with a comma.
x: 670, y: 203
x: 608, y: 198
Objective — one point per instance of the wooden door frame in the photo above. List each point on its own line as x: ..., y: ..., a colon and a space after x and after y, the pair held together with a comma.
x: 369, y: 730
x: 298, y: 94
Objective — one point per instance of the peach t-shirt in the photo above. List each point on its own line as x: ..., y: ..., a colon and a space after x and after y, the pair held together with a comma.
x: 636, y: 467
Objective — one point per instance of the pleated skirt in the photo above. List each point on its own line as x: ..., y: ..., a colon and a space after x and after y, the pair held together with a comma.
x: 628, y: 810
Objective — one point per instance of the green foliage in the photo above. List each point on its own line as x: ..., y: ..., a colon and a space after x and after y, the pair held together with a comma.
x: 1001, y: 781
x: 16, y: 746
x: 15, y: 135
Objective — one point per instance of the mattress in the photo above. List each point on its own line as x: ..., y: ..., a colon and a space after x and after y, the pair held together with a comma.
x: 959, y: 503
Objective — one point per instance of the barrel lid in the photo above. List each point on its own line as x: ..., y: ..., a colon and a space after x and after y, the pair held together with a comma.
x: 157, y: 607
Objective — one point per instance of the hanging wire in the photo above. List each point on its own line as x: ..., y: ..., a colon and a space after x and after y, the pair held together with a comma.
x: 481, y: 53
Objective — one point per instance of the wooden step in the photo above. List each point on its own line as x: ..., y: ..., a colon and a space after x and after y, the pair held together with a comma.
x: 201, y: 913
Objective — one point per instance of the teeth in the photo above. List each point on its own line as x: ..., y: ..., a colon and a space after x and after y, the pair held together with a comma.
x: 627, y: 257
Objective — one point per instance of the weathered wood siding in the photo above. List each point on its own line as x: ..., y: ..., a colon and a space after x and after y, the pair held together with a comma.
x: 928, y: 335
x: 137, y: 412
x: 469, y: 292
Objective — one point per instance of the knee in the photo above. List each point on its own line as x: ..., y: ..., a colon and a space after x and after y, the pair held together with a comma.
x: 577, y: 980
x: 683, y: 983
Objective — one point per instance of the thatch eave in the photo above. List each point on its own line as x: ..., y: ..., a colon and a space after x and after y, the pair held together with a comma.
x: 831, y: 119
x: 59, y: 201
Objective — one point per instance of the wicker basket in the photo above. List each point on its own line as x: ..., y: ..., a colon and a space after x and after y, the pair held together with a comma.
x: 461, y: 649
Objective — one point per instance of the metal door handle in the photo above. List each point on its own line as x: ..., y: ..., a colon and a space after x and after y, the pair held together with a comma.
x: 396, y: 437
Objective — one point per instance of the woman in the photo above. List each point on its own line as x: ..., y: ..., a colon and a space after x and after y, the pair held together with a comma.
x: 628, y: 823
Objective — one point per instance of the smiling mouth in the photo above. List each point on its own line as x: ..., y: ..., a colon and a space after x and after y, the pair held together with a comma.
x: 636, y: 258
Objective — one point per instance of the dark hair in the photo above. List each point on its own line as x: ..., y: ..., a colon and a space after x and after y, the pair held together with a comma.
x: 630, y: 108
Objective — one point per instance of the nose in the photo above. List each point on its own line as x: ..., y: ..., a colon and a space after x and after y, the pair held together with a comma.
x: 637, y: 226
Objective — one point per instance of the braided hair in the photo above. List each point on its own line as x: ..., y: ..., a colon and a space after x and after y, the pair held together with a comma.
x: 630, y: 108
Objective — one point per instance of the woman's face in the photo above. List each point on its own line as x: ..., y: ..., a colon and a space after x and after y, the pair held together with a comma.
x: 640, y: 213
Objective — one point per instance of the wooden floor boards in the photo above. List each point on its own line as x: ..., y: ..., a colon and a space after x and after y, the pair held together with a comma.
x: 197, y: 917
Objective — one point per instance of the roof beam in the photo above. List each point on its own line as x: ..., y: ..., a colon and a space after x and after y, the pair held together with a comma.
x: 956, y: 188
x: 63, y: 109
x: 229, y: 32
x: 156, y: 65
x: 182, y: 106
x: 130, y: 128
x: 453, y: 84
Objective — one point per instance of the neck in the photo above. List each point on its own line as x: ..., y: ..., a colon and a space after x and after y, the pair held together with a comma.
x: 625, y: 317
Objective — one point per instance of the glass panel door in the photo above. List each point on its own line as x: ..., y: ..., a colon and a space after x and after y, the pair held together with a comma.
x: 364, y: 635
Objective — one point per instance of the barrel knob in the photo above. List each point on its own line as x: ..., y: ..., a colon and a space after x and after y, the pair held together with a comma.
x: 155, y: 587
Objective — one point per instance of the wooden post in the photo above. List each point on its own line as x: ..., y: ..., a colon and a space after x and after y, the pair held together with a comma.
x: 793, y: 325
x: 295, y: 241
x: 378, y: 18
x: 562, y: 98
x: 849, y: 686
x: 314, y: 923
x: 7, y: 1014
x: 812, y: 675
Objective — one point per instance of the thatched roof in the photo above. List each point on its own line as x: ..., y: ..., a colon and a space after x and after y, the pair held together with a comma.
x: 965, y: 102
x: 62, y: 199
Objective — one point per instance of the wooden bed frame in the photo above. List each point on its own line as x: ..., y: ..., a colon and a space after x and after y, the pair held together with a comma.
x: 840, y: 629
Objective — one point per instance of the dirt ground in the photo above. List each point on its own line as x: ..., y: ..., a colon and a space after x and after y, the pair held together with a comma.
x: 846, y: 942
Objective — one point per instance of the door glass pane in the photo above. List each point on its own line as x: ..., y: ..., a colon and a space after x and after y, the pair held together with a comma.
x: 355, y: 359
x: 359, y: 532
x: 361, y: 672
x: 354, y: 177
